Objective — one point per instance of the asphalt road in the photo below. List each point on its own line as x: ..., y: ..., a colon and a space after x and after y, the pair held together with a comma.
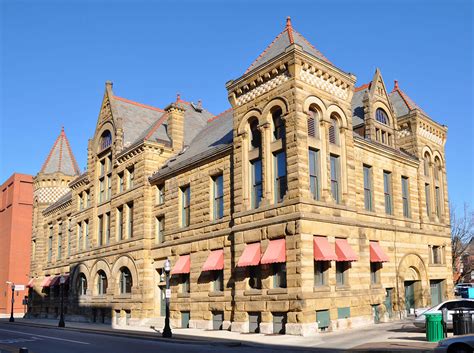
x: 55, y: 340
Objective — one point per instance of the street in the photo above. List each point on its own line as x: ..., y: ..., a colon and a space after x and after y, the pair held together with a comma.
x: 81, y: 340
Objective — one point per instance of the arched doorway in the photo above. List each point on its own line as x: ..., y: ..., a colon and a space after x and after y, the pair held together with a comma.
x: 413, y: 282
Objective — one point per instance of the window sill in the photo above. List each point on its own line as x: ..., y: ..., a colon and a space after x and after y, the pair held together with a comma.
x: 124, y: 296
x: 277, y: 291
x: 343, y: 287
x: 322, y: 288
x: 252, y: 292
x: 183, y: 295
x: 216, y: 294
x: 436, y: 265
x: 376, y: 286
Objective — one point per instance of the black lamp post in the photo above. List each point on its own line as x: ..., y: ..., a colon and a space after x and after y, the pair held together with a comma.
x: 12, y: 319
x: 167, y: 329
x: 61, y: 316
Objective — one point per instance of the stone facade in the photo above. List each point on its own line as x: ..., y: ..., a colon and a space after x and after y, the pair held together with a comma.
x: 379, y: 182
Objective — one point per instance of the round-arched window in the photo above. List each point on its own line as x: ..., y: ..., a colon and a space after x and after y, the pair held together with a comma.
x: 278, y: 125
x: 381, y: 116
x: 125, y: 281
x: 255, y: 136
x: 101, y: 283
x: 105, y: 140
x: 82, y: 284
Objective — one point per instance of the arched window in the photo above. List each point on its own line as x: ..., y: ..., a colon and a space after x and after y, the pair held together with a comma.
x: 125, y: 281
x: 278, y: 125
x: 381, y: 116
x: 426, y: 164
x: 334, y: 132
x: 105, y: 140
x: 255, y: 136
x: 82, y: 284
x: 313, y: 120
x: 101, y: 283
x: 436, y: 169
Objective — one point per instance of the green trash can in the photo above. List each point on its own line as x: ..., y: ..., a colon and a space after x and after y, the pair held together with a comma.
x: 434, y: 327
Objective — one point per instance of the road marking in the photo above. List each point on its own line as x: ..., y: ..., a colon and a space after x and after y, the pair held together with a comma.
x: 52, y: 338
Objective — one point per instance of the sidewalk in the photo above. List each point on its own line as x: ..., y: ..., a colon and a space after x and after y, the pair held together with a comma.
x: 399, y: 336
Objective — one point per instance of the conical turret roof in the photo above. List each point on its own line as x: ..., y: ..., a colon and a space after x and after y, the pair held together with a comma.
x: 60, y: 158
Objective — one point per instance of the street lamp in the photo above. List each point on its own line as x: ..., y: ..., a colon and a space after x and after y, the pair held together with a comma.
x: 12, y: 319
x: 61, y: 317
x: 167, y: 329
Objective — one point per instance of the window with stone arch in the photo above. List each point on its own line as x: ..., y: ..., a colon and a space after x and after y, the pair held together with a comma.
x: 255, y: 135
x: 381, y: 116
x: 101, y: 283
x: 438, y: 192
x: 125, y: 281
x: 334, y: 131
x: 426, y: 164
x: 82, y: 284
x: 437, y: 169
x: 313, y: 122
x: 105, y: 140
x: 278, y: 124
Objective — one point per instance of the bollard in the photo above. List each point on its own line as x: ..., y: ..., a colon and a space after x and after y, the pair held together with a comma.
x: 23, y: 350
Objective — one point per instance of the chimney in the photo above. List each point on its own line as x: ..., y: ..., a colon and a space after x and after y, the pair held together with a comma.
x: 175, y: 113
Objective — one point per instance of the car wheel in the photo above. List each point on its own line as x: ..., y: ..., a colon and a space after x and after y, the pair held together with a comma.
x: 459, y: 348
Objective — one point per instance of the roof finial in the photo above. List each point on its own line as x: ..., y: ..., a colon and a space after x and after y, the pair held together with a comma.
x: 395, y: 85
x: 62, y: 129
x: 178, y: 97
x: 289, y: 29
x: 288, y: 22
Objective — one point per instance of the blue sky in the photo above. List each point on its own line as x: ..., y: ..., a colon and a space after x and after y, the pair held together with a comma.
x: 56, y: 56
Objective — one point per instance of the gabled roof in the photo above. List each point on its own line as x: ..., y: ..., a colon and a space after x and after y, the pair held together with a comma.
x: 61, y: 159
x: 143, y: 122
x: 401, y: 102
x: 216, y: 137
x: 287, y: 37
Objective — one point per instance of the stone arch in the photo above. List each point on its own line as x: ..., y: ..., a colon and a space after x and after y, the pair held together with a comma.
x: 78, y: 269
x: 412, y: 268
x: 437, y: 154
x: 335, y: 111
x: 313, y: 101
x: 243, y: 126
x: 386, y: 109
x: 106, y: 126
x: 99, y: 265
x: 124, y: 261
x: 270, y: 106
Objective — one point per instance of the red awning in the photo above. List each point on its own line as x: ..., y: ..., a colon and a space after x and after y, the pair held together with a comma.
x: 250, y: 256
x: 276, y: 252
x: 376, y: 253
x: 30, y: 283
x: 55, y: 281
x: 47, y: 281
x: 215, y: 261
x: 183, y: 265
x: 344, y: 251
x: 323, y: 250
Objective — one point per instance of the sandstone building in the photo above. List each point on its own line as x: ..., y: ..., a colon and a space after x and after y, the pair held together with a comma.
x: 310, y: 205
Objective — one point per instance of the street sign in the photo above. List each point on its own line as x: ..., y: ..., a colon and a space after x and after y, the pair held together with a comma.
x: 168, y: 293
x: 62, y: 280
x: 19, y: 287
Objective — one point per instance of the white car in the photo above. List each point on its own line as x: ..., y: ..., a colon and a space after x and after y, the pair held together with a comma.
x: 451, y: 305
x: 456, y: 344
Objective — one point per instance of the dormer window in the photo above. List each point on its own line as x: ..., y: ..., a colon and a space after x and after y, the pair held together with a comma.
x: 105, y: 140
x: 381, y: 116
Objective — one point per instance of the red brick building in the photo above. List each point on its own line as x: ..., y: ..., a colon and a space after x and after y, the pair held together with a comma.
x: 16, y: 214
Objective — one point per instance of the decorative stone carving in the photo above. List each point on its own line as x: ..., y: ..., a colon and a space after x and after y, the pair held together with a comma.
x: 263, y: 88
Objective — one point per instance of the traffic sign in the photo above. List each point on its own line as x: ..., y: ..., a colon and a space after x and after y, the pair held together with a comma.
x: 168, y: 293
x: 19, y: 287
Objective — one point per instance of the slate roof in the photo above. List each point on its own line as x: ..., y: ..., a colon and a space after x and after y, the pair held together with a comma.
x: 402, y: 104
x: 287, y: 37
x: 143, y: 122
x: 216, y: 137
x: 60, y: 158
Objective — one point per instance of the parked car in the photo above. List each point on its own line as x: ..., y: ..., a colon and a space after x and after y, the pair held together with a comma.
x: 456, y: 344
x: 451, y: 305
x: 461, y: 289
